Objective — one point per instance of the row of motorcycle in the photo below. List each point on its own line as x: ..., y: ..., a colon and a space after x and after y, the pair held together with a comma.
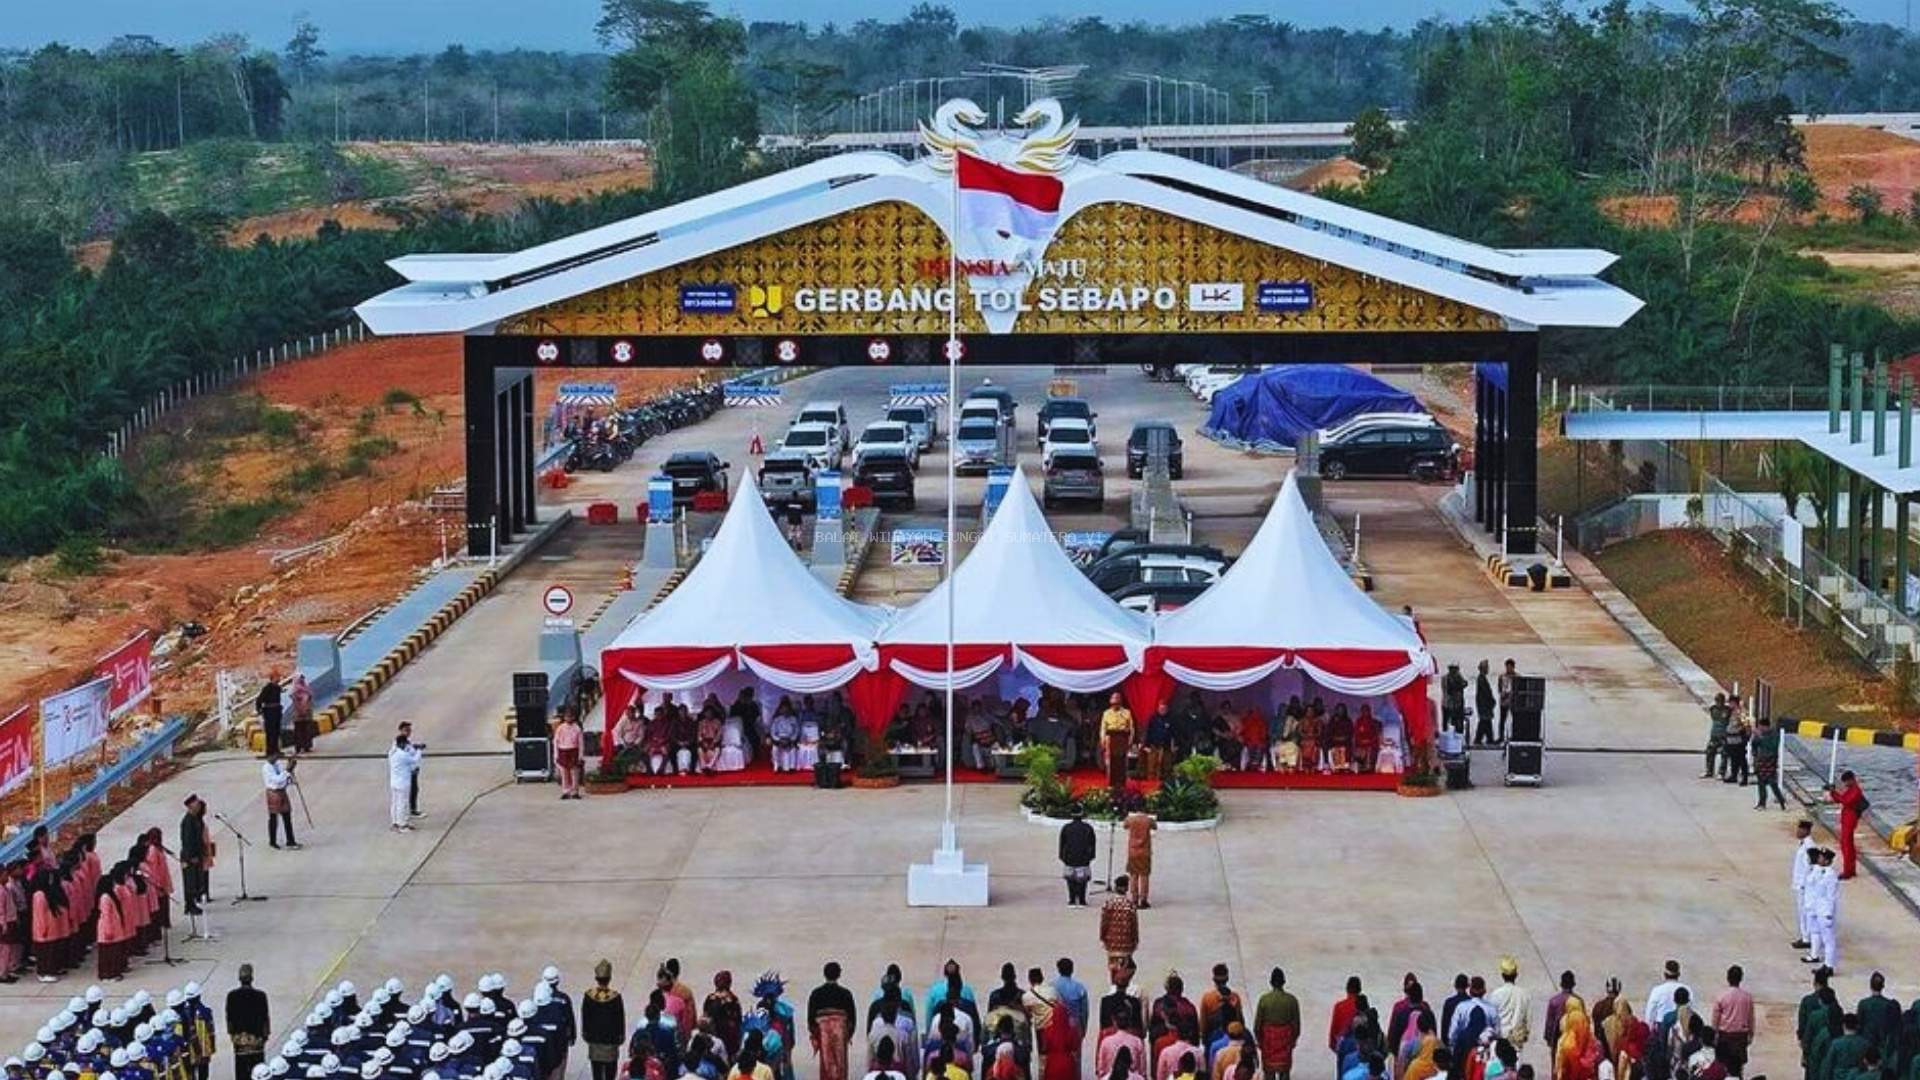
x: 604, y: 443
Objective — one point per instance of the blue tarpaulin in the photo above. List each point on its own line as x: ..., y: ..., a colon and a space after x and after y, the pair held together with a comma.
x: 1271, y: 409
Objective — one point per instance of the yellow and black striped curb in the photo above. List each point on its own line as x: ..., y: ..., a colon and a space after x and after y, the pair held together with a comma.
x: 1503, y: 572
x: 1362, y: 577
x: 340, y: 709
x: 1857, y: 736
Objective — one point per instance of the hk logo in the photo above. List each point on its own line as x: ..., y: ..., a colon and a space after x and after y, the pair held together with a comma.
x: 623, y: 352
x: 548, y: 352
x: 765, y: 301
x: 787, y: 351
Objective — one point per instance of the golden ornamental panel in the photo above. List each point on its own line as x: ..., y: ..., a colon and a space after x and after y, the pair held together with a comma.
x: 882, y: 270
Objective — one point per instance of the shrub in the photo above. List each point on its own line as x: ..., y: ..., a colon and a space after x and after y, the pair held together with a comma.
x: 396, y: 397
x: 231, y: 524
x: 80, y: 555
x: 1865, y: 200
x: 1189, y: 795
x: 363, y: 424
x: 362, y: 453
x: 281, y: 426
x: 309, y: 477
x: 1046, y: 793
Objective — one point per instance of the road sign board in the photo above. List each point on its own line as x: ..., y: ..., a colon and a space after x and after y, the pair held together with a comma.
x: 558, y: 600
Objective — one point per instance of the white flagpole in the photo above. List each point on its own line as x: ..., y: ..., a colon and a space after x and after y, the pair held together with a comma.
x: 948, y: 840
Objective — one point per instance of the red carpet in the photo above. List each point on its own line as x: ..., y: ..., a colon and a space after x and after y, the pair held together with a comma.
x: 761, y: 774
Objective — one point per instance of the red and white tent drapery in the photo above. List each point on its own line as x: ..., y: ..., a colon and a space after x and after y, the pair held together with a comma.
x: 1286, y: 603
x: 1019, y: 601
x: 748, y: 602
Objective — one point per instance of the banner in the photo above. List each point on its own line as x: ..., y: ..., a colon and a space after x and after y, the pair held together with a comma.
x: 131, y: 668
x: 75, y: 721
x: 918, y: 547
x: 16, y: 748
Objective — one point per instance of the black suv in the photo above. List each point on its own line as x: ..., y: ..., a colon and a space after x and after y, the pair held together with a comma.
x: 695, y: 471
x: 1391, y: 450
x: 1137, y: 449
x: 887, y: 472
x: 1058, y: 407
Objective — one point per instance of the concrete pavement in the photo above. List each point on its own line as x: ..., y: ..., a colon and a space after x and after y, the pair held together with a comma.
x: 1621, y: 861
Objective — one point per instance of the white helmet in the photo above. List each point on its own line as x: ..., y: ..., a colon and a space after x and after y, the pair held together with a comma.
x: 550, y: 975
x: 107, y: 1076
x: 516, y: 1027
x: 101, y: 1017
x: 315, y: 1072
x: 117, y: 1018
x: 71, y: 1068
x: 62, y: 1021
x: 278, y: 1066
x: 141, y: 999
x: 430, y: 1075
x: 396, y: 1037
x: 417, y: 1014
x: 329, y: 1061
x: 118, y: 1059
x: 334, y: 999
x: 461, y: 1042
x: 342, y: 1035
x: 395, y: 986
x: 383, y: 1055
x: 510, y: 1048
x: 95, y: 995
x: 444, y: 981
x: 542, y: 993
x: 15, y: 1063
x: 34, y: 1052
x: 526, y: 1008
x: 289, y: 1049
x: 487, y: 1007
x: 43, y: 1036
x: 472, y: 1001
x: 298, y: 1037
x: 370, y: 1070
x: 77, y: 1005
x: 261, y: 1072
x: 192, y: 990
x: 316, y: 1018
x: 437, y: 1052
x: 88, y: 1041
x: 380, y: 996
x: 174, y: 998
x: 136, y: 1051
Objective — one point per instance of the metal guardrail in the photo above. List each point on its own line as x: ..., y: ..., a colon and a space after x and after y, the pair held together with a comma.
x: 1648, y: 397
x: 155, y: 746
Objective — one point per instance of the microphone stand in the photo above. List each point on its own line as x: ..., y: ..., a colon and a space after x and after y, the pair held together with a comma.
x: 244, y: 845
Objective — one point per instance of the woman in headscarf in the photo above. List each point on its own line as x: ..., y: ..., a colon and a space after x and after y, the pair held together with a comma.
x: 712, y: 723
x: 1625, y: 1037
x: 1312, y: 731
x: 1122, y: 1066
x: 48, y: 903
x: 304, y: 729
x: 1005, y: 1065
x: 1054, y: 1036
x: 1577, y: 1057
x: 110, y: 933
x: 1366, y: 740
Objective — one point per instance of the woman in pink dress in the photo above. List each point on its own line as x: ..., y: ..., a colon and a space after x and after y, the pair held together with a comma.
x: 110, y: 934
x: 46, y: 929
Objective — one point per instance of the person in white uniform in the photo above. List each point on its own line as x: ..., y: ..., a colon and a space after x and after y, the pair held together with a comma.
x: 1823, y: 902
x: 1802, y: 867
x: 402, y: 762
x: 1660, y: 999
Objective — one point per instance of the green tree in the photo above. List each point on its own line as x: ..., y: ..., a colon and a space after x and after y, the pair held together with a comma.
x: 1373, y: 137
x: 33, y: 266
x: 303, y: 50
x: 1866, y: 200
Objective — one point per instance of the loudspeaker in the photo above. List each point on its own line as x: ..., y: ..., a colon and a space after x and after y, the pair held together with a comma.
x: 826, y: 775
x: 532, y: 759
x: 529, y: 688
x: 1529, y: 693
x: 530, y: 721
x: 1524, y: 726
x: 1524, y: 761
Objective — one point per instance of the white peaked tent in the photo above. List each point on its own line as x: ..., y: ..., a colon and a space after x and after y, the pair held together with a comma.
x: 750, y: 601
x: 1286, y: 603
x: 1018, y: 600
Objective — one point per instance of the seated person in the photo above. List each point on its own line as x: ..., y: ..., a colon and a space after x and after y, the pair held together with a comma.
x: 658, y: 742
x: 978, y: 738
x: 1225, y: 730
x: 632, y: 728
x: 1340, y: 739
x: 899, y: 731
x: 1390, y: 759
x: 1253, y: 741
x: 1366, y: 740
x: 733, y: 740
x: 684, y: 736
x: 783, y: 731
x: 836, y: 730
x: 1013, y: 727
x: 1313, y: 725
x: 927, y: 733
x: 1050, y: 728
x: 710, y: 729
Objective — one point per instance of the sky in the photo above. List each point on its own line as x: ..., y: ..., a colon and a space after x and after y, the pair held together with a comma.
x: 413, y: 25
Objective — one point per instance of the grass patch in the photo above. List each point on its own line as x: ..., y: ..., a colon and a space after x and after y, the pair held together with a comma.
x: 1731, y: 624
x: 80, y: 556
x: 396, y: 397
x: 230, y: 524
x: 311, y: 476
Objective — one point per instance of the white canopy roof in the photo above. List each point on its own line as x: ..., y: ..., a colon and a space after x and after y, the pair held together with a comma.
x: 751, y: 589
x: 1287, y: 591
x: 1018, y: 588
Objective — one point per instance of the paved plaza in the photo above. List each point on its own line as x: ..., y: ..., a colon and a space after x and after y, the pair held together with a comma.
x: 1621, y: 861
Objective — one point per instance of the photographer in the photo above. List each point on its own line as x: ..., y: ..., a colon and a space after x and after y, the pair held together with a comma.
x: 403, y: 763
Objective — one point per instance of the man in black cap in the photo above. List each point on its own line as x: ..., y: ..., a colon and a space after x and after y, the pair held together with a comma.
x: 603, y: 1023
x: 247, y: 1024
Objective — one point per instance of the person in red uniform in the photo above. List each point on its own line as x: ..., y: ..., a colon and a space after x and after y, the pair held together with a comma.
x: 1853, y: 803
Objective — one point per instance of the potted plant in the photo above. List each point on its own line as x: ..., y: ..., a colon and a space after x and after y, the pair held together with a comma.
x: 1046, y: 793
x: 1422, y: 777
x: 1189, y: 794
x: 877, y: 771
x: 611, y: 777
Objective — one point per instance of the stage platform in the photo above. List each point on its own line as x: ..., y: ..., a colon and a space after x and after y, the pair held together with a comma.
x: 762, y: 775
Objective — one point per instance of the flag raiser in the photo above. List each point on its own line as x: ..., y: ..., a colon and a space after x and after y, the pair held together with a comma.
x: 1004, y: 200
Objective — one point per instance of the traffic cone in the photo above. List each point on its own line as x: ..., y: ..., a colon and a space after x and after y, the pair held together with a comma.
x: 754, y: 446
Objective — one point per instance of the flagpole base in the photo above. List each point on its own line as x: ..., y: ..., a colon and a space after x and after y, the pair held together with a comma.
x: 949, y: 880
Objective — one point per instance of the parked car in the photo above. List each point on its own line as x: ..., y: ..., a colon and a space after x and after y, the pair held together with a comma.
x: 1000, y: 395
x: 1123, y: 568
x: 1137, y: 449
x: 826, y: 412
x: 1076, y: 408
x: 885, y: 471
x: 1074, y: 473
x: 1159, y: 597
x: 820, y: 442
x: 1119, y: 540
x: 982, y: 409
x: 1390, y: 450
x: 981, y: 443
x: 695, y: 471
x: 1067, y: 432
x: 1132, y: 568
x: 922, y: 419
x: 887, y: 433
x: 1373, y: 420
x: 786, y: 477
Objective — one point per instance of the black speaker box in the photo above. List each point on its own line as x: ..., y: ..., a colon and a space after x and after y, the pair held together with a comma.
x: 1524, y: 726
x: 530, y: 688
x: 530, y: 721
x: 1529, y: 693
x: 1524, y: 759
x: 532, y: 756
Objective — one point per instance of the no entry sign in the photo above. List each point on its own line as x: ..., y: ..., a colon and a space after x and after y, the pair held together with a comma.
x: 558, y: 600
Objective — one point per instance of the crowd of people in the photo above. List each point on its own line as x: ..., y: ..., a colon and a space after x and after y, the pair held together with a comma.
x: 56, y: 906
x: 676, y: 739
x: 1047, y: 1025
x: 1743, y: 748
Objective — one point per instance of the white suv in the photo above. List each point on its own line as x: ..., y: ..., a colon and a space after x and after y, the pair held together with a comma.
x: 1067, y: 431
x: 891, y: 434
x: 820, y: 442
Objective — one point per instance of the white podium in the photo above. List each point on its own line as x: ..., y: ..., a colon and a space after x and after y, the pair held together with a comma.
x: 949, y: 880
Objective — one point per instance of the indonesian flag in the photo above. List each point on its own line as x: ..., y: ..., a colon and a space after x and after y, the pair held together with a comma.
x: 1006, y: 201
